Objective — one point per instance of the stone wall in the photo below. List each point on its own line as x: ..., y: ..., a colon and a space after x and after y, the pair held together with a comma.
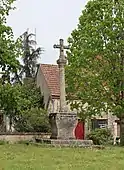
x: 15, y: 138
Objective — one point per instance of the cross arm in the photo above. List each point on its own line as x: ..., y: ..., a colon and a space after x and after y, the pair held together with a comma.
x: 56, y: 46
x: 66, y: 47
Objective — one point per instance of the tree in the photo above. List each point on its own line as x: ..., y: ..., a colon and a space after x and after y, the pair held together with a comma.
x: 32, y: 116
x: 21, y: 101
x: 11, y: 100
x: 33, y: 120
x: 96, y: 61
x: 16, y: 99
x: 8, y: 47
x: 30, y: 55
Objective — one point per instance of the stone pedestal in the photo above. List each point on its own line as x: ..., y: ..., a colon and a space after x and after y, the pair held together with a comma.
x: 63, y: 125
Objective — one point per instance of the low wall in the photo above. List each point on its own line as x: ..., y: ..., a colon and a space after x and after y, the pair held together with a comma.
x: 16, y: 137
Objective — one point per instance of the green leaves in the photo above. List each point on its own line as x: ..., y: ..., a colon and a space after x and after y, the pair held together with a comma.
x: 33, y: 120
x: 16, y: 99
x: 29, y: 55
x: 95, y: 71
x: 9, y: 50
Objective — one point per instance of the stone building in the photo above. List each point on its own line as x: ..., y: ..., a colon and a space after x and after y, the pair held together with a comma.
x: 47, y: 79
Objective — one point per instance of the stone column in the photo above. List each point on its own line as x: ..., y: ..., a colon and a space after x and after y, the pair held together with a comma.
x: 61, y: 64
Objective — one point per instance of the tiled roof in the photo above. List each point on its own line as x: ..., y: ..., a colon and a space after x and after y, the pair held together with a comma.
x: 51, y: 74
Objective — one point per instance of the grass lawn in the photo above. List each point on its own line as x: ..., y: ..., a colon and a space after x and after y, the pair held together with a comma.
x: 22, y: 157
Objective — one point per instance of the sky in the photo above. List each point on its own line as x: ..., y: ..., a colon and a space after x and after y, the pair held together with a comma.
x: 52, y: 19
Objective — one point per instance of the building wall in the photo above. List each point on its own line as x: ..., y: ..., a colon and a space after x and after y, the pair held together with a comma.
x: 41, y: 82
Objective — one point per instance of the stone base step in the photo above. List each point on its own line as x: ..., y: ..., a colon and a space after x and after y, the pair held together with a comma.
x: 58, y: 142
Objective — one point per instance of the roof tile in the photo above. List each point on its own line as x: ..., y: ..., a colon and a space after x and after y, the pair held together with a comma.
x: 51, y: 74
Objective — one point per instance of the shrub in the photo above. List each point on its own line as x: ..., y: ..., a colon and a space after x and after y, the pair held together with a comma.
x: 33, y: 120
x: 100, y: 136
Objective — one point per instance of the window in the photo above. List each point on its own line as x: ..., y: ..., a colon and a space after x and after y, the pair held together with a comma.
x: 99, y: 123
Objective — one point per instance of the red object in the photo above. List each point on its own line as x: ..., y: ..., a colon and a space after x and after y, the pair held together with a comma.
x: 79, y: 130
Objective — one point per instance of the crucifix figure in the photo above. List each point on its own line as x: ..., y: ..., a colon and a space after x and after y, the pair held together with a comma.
x: 61, y: 63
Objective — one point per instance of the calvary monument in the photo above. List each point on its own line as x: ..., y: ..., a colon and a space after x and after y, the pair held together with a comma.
x: 63, y: 123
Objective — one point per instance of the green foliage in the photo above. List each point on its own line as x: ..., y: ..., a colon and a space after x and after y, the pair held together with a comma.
x: 16, y: 98
x: 29, y: 56
x: 20, y: 101
x: 9, y: 50
x: 32, y: 93
x: 33, y: 120
x: 22, y: 97
x: 5, y: 7
x: 10, y: 98
x: 101, y: 136
x: 9, y: 65
x: 96, y: 60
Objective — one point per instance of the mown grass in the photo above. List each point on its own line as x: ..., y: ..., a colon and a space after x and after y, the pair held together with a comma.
x: 23, y: 157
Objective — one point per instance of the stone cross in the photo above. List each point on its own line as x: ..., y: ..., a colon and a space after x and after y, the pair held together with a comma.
x: 61, y: 63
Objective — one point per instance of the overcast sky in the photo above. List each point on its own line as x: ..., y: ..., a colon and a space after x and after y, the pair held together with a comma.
x: 53, y: 19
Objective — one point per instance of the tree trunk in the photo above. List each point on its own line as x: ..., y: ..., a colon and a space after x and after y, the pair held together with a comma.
x: 122, y: 131
x: 10, y: 123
